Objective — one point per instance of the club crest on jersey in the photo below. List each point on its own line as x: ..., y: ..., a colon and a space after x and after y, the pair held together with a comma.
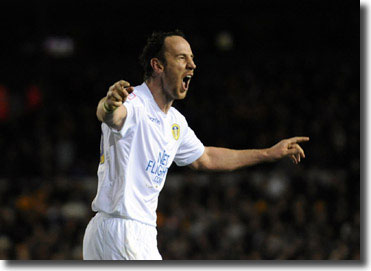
x: 175, y: 129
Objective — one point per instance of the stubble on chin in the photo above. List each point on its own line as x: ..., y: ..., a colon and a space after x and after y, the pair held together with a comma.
x: 172, y: 93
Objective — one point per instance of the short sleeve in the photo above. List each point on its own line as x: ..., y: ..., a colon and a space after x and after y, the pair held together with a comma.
x: 190, y: 149
x: 133, y: 116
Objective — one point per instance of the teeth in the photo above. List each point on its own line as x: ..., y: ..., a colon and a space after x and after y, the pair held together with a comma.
x: 188, y: 77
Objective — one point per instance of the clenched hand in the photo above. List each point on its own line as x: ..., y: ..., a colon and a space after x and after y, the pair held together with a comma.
x: 117, y: 94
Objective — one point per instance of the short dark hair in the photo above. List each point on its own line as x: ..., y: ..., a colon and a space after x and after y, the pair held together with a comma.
x: 155, y: 49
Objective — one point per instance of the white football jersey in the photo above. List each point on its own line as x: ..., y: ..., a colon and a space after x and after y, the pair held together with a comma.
x: 135, y: 160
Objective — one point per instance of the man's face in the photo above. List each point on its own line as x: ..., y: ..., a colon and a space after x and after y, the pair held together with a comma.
x: 179, y: 67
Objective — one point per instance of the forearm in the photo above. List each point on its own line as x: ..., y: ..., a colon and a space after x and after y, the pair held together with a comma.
x: 223, y: 159
x: 114, y: 118
x: 101, y: 114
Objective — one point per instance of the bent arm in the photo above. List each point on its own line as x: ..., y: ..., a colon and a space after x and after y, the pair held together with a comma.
x: 114, y: 119
x: 110, y: 109
x: 223, y: 159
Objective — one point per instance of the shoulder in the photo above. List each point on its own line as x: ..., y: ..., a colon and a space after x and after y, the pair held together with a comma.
x: 177, y: 116
x: 137, y: 98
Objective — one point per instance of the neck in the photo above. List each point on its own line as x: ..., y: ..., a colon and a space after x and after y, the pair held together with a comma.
x: 160, y: 96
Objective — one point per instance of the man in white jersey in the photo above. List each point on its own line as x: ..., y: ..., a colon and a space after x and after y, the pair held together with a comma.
x: 142, y: 134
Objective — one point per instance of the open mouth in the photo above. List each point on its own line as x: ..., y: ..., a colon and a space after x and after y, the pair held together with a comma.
x: 186, y: 81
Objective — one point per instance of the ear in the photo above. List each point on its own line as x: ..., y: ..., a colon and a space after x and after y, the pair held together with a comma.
x: 157, y: 66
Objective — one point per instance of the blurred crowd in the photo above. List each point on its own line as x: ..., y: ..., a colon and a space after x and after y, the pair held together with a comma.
x: 259, y: 216
x: 239, y: 99
x: 247, y: 215
x: 278, y: 211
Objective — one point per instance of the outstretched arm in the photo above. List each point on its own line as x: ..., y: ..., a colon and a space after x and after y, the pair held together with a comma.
x: 222, y: 159
x: 110, y: 109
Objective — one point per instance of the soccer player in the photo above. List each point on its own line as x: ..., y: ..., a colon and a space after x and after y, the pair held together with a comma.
x: 142, y: 134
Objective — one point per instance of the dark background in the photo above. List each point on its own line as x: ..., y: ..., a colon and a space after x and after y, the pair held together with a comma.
x: 285, y: 69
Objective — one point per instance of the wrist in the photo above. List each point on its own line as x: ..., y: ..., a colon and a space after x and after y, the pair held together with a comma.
x: 267, y: 155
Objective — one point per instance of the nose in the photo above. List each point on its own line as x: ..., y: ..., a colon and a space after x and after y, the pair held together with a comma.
x: 191, y: 64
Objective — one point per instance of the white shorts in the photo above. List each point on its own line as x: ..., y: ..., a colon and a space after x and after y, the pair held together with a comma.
x: 115, y: 238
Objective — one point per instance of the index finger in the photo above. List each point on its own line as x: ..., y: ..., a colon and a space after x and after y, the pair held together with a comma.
x: 298, y: 139
x: 124, y: 84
